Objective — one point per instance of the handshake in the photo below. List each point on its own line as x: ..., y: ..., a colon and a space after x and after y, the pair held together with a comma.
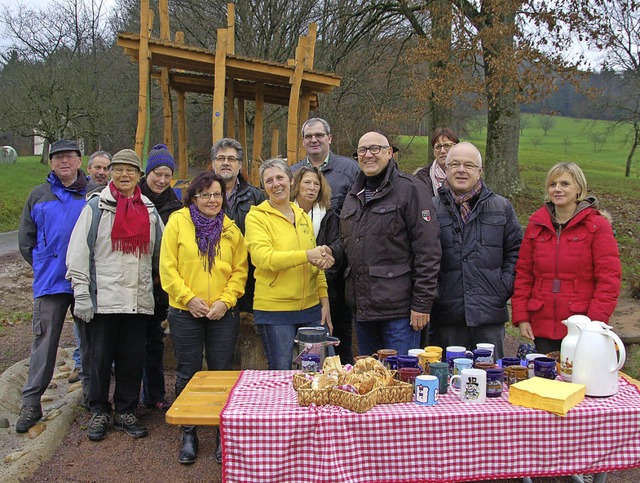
x: 321, y: 257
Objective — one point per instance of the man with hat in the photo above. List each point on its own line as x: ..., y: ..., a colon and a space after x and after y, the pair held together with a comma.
x: 47, y: 221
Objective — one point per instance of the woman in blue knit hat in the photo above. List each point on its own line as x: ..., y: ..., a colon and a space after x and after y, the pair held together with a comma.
x: 156, y: 185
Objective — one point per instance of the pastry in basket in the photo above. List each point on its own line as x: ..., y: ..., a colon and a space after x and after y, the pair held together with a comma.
x: 324, y: 381
x: 332, y: 365
x: 367, y: 364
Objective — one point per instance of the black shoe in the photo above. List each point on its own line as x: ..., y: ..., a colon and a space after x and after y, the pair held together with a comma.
x: 128, y: 423
x: 98, y: 426
x: 29, y: 416
x: 190, y: 442
x: 218, y: 447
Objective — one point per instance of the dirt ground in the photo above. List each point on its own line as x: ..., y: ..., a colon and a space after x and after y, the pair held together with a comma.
x: 120, y: 458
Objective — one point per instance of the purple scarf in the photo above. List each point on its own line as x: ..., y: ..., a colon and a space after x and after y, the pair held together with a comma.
x: 208, y: 232
x: 463, y: 200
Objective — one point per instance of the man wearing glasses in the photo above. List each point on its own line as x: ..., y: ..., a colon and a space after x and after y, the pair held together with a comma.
x: 339, y: 171
x: 227, y: 156
x: 391, y: 237
x: 480, y: 237
x: 47, y: 220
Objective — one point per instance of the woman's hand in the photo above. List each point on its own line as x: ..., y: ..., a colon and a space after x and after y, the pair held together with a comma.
x: 326, y: 314
x: 198, y: 307
x: 321, y: 257
x: 218, y: 309
x: 526, y: 331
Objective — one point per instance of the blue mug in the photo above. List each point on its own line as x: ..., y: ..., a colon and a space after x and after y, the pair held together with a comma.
x: 454, y: 352
x: 426, y: 390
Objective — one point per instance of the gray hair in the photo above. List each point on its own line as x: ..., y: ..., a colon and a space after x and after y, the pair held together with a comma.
x: 225, y: 143
x: 466, y: 143
x: 315, y: 120
x: 279, y: 163
x: 98, y: 154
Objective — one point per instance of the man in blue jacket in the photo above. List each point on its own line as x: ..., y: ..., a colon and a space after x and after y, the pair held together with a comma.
x: 480, y: 237
x: 48, y: 217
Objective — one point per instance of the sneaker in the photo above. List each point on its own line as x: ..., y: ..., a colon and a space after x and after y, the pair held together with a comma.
x: 29, y: 416
x: 74, y: 376
x: 128, y: 423
x: 98, y: 426
x: 159, y: 406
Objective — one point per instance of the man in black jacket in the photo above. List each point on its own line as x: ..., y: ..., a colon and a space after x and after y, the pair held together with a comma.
x: 391, y: 238
x: 227, y: 156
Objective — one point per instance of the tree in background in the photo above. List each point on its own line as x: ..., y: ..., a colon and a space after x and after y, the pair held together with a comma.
x: 547, y: 121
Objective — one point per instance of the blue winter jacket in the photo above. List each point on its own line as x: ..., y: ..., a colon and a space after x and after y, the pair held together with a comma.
x: 47, y: 220
x: 477, y: 269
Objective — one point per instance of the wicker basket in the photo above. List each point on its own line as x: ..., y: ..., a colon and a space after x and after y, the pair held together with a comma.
x: 398, y: 393
x: 358, y: 403
x: 300, y: 380
x: 308, y: 396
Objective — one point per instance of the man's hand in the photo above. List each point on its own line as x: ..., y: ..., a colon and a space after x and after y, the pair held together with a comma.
x: 419, y: 320
x: 83, y: 307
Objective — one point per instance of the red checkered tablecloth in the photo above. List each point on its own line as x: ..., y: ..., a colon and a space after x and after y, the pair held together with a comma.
x: 267, y: 437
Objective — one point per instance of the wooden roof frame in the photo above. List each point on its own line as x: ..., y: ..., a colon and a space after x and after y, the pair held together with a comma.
x: 227, y: 77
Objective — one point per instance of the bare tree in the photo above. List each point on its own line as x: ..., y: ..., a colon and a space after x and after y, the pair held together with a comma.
x: 547, y: 121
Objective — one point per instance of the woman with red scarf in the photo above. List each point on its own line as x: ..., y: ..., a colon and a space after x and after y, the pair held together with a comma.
x: 111, y: 262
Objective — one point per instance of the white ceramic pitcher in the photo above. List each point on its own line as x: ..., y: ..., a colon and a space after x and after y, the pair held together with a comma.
x: 574, y: 324
x: 596, y: 362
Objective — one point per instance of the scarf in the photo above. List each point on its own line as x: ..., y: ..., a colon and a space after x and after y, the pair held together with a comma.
x: 437, y: 175
x: 131, y: 226
x: 158, y: 199
x: 463, y: 200
x: 317, y: 215
x: 208, y: 233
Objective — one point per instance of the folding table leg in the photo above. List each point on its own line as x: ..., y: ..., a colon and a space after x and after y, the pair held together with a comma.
x: 526, y: 479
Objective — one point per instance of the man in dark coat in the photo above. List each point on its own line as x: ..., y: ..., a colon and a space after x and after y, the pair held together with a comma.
x: 480, y: 238
x: 390, y: 235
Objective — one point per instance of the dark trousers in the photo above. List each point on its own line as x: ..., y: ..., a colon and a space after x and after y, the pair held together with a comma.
x: 116, y: 339
x: 544, y: 346
x: 153, y: 389
x: 190, y: 336
x: 444, y: 335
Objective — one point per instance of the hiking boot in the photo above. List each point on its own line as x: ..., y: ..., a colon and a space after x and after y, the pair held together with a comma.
x: 128, y: 423
x: 189, y: 449
x: 74, y: 376
x: 98, y: 426
x: 29, y: 416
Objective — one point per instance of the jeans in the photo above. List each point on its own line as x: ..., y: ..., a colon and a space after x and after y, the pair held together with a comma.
x: 279, y: 345
x: 190, y: 336
x: 119, y: 339
x: 392, y: 334
x: 76, y: 352
x: 153, y: 390
x: 444, y: 335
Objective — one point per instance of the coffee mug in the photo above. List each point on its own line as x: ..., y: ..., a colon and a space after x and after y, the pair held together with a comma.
x: 454, y: 352
x: 510, y: 361
x: 391, y: 363
x: 426, y: 391
x: 407, y: 361
x: 441, y: 371
x: 487, y: 346
x: 461, y: 363
x: 482, y: 356
x: 515, y: 374
x: 495, y: 378
x: 544, y: 367
x: 408, y: 374
x: 414, y: 352
x: 485, y: 366
x: 382, y: 354
x: 434, y: 348
x: 530, y: 358
x: 473, y: 385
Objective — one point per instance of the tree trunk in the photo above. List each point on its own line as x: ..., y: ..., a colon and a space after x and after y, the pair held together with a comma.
x: 44, y: 157
x: 636, y: 141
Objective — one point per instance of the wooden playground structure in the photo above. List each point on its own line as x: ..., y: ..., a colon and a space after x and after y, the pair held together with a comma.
x: 231, y: 80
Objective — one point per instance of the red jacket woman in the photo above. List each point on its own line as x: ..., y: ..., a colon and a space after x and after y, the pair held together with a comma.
x: 568, y: 262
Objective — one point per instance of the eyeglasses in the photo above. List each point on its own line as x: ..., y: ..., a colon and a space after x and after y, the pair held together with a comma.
x: 445, y: 146
x: 319, y: 136
x: 375, y: 149
x: 221, y: 159
x: 207, y: 196
x: 129, y: 171
x: 60, y: 157
x: 466, y: 166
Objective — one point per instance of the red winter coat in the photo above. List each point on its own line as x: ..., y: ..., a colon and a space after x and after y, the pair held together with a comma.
x: 577, y: 272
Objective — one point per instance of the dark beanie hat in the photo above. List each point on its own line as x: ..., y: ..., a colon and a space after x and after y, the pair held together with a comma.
x: 160, y: 156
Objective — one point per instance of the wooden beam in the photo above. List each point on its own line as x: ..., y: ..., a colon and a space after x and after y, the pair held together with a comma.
x: 217, y: 121
x: 183, y: 161
x: 294, y: 104
x: 231, y: 28
x: 310, y: 47
x: 305, y: 106
x: 167, y: 109
x: 258, y: 129
x: 242, y: 139
x: 275, y: 142
x: 144, y: 69
x: 231, y: 115
x: 163, y: 10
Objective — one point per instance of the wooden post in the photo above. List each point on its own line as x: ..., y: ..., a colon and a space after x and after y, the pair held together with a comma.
x: 146, y: 21
x: 305, y: 103
x: 167, y: 108
x: 242, y: 125
x: 231, y: 28
x: 183, y: 161
x: 275, y: 142
x: 220, y: 72
x: 258, y: 128
x: 294, y: 104
x: 231, y: 117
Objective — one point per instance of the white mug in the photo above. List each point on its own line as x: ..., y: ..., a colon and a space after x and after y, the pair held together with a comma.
x: 473, y: 385
x: 415, y: 352
x: 530, y: 358
x: 487, y: 346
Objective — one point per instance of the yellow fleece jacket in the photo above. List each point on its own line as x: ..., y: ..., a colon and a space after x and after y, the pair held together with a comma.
x: 182, y: 271
x: 284, y: 278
